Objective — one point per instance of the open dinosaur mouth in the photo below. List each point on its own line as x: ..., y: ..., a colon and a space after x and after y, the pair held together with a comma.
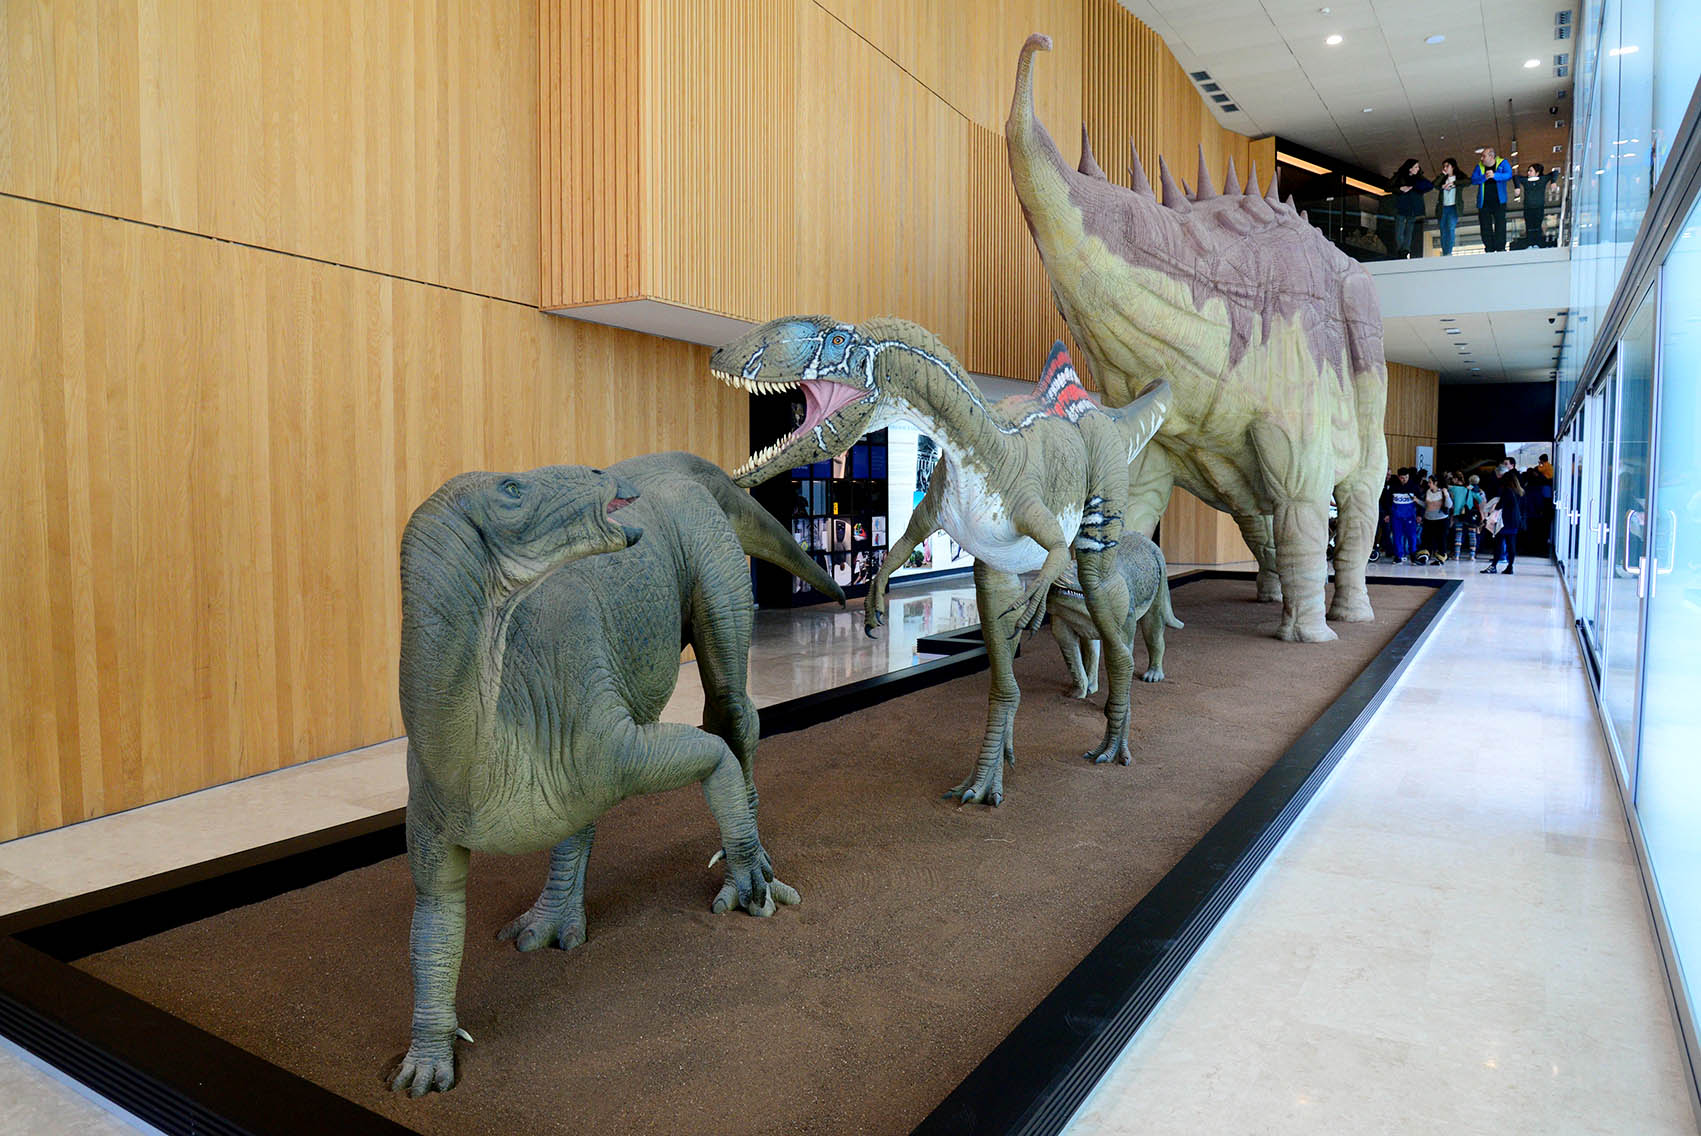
x: 619, y: 503
x: 822, y: 399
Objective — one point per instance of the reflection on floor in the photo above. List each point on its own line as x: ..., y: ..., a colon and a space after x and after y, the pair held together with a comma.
x: 1454, y: 938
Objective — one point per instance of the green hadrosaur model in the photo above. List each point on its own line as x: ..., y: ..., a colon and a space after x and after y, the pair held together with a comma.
x: 1023, y: 482
x: 1270, y: 338
x: 540, y: 643
x: 1141, y: 564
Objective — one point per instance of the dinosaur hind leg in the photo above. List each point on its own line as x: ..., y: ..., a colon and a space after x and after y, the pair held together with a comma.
x: 1355, y: 499
x: 557, y: 916
x: 1258, y: 530
x: 1107, y: 599
x: 998, y: 595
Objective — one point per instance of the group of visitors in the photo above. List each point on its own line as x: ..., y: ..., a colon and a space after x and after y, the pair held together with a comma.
x: 1495, y: 184
x: 1428, y: 518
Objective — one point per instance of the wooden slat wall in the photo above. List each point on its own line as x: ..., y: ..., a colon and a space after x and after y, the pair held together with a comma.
x: 1413, y: 400
x: 211, y: 451
x: 394, y: 135
x: 847, y: 156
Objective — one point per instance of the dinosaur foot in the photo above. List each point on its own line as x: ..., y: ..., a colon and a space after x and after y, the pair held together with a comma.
x: 1112, y: 748
x: 545, y: 925
x: 1351, y: 608
x: 1295, y: 631
x: 1155, y: 674
x: 428, y: 1067
x: 985, y: 784
x: 755, y: 889
x: 1079, y: 690
x: 1269, y: 588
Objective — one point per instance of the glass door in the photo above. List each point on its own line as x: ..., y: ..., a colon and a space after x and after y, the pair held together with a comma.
x: 1668, y: 785
x: 1596, y: 509
x: 1626, y: 572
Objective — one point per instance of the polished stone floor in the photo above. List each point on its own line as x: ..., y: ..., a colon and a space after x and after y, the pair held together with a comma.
x: 1453, y: 938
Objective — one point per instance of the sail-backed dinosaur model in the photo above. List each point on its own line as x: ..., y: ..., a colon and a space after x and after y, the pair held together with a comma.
x: 1270, y: 338
x: 540, y: 643
x: 1019, y: 485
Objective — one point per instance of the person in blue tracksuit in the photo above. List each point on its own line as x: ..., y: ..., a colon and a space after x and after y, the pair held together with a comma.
x: 1403, y: 517
x: 1492, y: 177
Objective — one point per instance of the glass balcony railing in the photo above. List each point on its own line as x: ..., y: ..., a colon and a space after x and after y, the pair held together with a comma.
x: 1363, y: 227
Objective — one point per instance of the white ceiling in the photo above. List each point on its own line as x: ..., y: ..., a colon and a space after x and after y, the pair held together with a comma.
x: 1508, y: 347
x: 1428, y: 101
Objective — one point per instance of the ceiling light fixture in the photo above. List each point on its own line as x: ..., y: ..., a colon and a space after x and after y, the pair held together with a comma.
x: 1627, y: 49
x: 1532, y: 63
x: 1311, y: 167
x: 1332, y: 40
x: 1453, y: 331
x: 1367, y: 110
x: 1435, y: 39
x: 1375, y: 189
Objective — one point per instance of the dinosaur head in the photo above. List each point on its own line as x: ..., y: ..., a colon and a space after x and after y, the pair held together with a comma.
x: 829, y: 361
x: 525, y: 524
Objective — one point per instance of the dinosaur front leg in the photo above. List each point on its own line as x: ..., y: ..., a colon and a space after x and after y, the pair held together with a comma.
x: 995, y: 591
x: 558, y: 914
x: 1258, y: 530
x: 439, y: 870
x: 1355, y: 500
x: 1107, y: 598
x: 924, y: 522
x: 1151, y: 480
x: 1038, y: 523
x: 1076, y: 650
x: 666, y: 755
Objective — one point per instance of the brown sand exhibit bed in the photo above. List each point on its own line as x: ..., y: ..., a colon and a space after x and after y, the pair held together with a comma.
x: 926, y: 932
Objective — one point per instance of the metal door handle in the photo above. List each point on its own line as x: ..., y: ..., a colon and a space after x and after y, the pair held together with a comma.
x: 1634, y: 518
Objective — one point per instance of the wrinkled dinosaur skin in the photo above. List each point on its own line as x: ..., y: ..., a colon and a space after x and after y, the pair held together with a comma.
x: 1270, y: 337
x: 1141, y: 565
x: 540, y: 643
x: 1019, y: 484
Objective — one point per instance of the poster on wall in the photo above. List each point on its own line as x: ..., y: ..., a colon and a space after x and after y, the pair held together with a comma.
x: 911, y: 457
x: 1426, y: 457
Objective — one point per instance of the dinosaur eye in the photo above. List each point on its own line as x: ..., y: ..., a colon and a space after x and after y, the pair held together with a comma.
x: 597, y: 472
x: 838, y: 339
x: 511, y: 489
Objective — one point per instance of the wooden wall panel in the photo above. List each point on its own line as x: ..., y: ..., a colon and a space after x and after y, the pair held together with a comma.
x: 398, y: 135
x: 1411, y: 419
x: 211, y: 451
x: 877, y: 184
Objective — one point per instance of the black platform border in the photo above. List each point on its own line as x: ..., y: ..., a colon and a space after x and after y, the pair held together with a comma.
x: 182, y: 1079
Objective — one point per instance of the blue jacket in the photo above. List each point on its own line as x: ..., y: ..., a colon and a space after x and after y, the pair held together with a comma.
x: 1501, y: 174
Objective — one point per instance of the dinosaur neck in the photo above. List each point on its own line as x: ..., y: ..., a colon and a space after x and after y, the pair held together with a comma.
x: 924, y: 385
x: 453, y: 627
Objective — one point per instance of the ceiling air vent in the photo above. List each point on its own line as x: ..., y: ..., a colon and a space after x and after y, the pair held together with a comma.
x: 1219, y: 98
x: 1562, y: 32
x: 1561, y: 72
x: 1562, y: 19
x: 1200, y: 76
x: 1229, y: 108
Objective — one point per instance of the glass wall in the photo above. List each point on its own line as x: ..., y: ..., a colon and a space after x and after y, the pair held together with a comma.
x: 1628, y: 533
x: 1637, y: 65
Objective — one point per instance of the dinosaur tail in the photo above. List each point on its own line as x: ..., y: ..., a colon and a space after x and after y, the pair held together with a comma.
x: 760, y: 535
x: 1141, y: 418
x: 1165, y: 609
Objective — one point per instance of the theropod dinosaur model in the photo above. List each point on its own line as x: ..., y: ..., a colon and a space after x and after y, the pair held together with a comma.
x: 540, y: 643
x: 1019, y: 484
x: 1270, y: 338
x: 1141, y: 564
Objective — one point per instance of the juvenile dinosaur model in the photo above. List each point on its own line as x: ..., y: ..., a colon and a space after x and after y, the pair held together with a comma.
x: 1270, y: 338
x: 540, y: 643
x: 1019, y: 485
x: 1141, y: 564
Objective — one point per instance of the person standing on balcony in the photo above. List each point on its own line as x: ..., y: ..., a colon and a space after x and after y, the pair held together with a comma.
x: 1533, y: 186
x: 1492, y: 177
x: 1447, y: 186
x: 1408, y: 186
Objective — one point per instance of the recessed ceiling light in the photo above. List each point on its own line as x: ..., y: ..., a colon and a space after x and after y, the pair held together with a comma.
x: 1453, y: 331
x: 1367, y: 110
x: 1434, y: 39
x: 1332, y: 40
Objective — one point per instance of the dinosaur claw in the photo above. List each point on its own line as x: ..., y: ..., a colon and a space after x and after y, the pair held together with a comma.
x: 997, y: 799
